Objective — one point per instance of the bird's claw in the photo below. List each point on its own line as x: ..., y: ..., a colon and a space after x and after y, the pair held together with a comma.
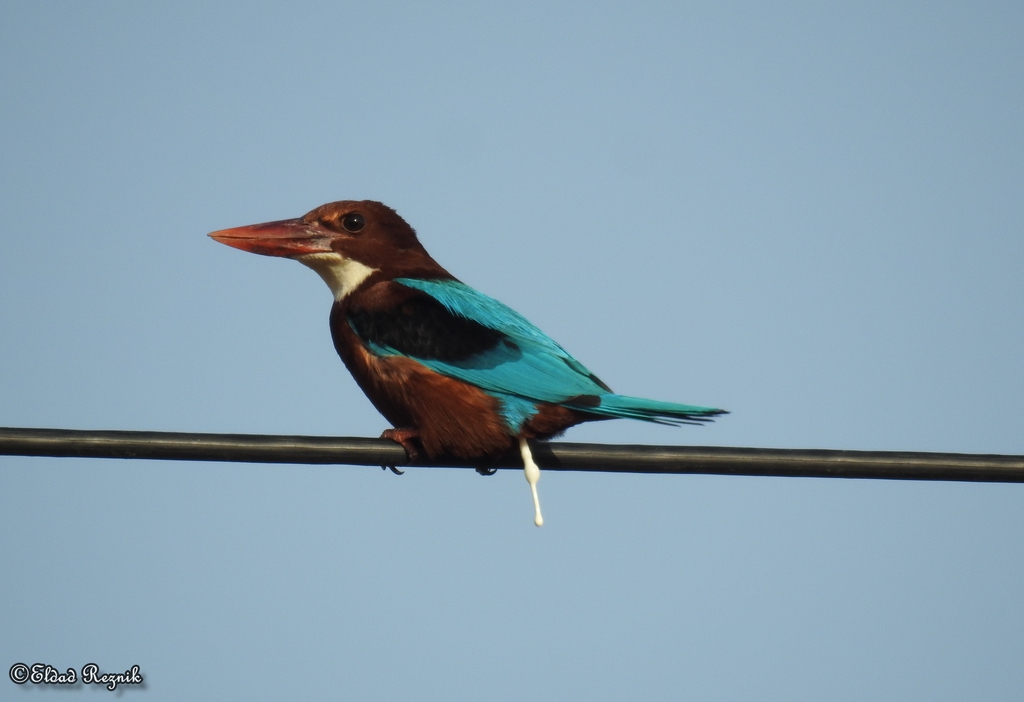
x: 406, y: 439
x: 486, y: 470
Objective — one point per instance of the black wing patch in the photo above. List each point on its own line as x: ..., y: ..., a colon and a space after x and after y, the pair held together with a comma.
x: 423, y: 328
x: 577, y: 368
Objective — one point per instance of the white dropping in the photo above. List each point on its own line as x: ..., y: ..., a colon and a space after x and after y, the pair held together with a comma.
x: 342, y: 275
x: 532, y: 471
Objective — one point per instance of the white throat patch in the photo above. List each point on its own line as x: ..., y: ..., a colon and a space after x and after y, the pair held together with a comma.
x: 342, y: 275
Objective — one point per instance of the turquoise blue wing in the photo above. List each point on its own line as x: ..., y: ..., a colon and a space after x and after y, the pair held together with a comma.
x: 524, y: 361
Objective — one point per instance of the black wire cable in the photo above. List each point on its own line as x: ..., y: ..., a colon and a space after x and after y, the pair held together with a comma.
x: 714, y: 460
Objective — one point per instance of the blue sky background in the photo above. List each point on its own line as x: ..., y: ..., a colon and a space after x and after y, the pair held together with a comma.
x: 810, y: 215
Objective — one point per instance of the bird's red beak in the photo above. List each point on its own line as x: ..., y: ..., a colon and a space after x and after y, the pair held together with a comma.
x: 287, y: 237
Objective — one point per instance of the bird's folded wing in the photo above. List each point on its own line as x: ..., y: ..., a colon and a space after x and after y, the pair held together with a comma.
x: 509, y: 354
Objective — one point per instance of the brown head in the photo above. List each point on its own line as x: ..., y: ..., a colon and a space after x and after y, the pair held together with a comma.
x: 347, y: 243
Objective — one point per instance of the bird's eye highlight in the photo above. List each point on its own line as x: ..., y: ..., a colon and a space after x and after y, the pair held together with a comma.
x: 353, y: 222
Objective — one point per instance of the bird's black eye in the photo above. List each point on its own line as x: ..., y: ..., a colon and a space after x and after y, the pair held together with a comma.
x: 353, y: 222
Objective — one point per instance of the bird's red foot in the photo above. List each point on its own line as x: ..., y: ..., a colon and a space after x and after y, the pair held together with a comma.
x: 409, y: 440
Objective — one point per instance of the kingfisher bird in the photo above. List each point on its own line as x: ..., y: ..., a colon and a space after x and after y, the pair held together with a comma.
x: 455, y: 372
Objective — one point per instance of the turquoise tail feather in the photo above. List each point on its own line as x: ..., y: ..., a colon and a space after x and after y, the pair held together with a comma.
x: 626, y: 407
